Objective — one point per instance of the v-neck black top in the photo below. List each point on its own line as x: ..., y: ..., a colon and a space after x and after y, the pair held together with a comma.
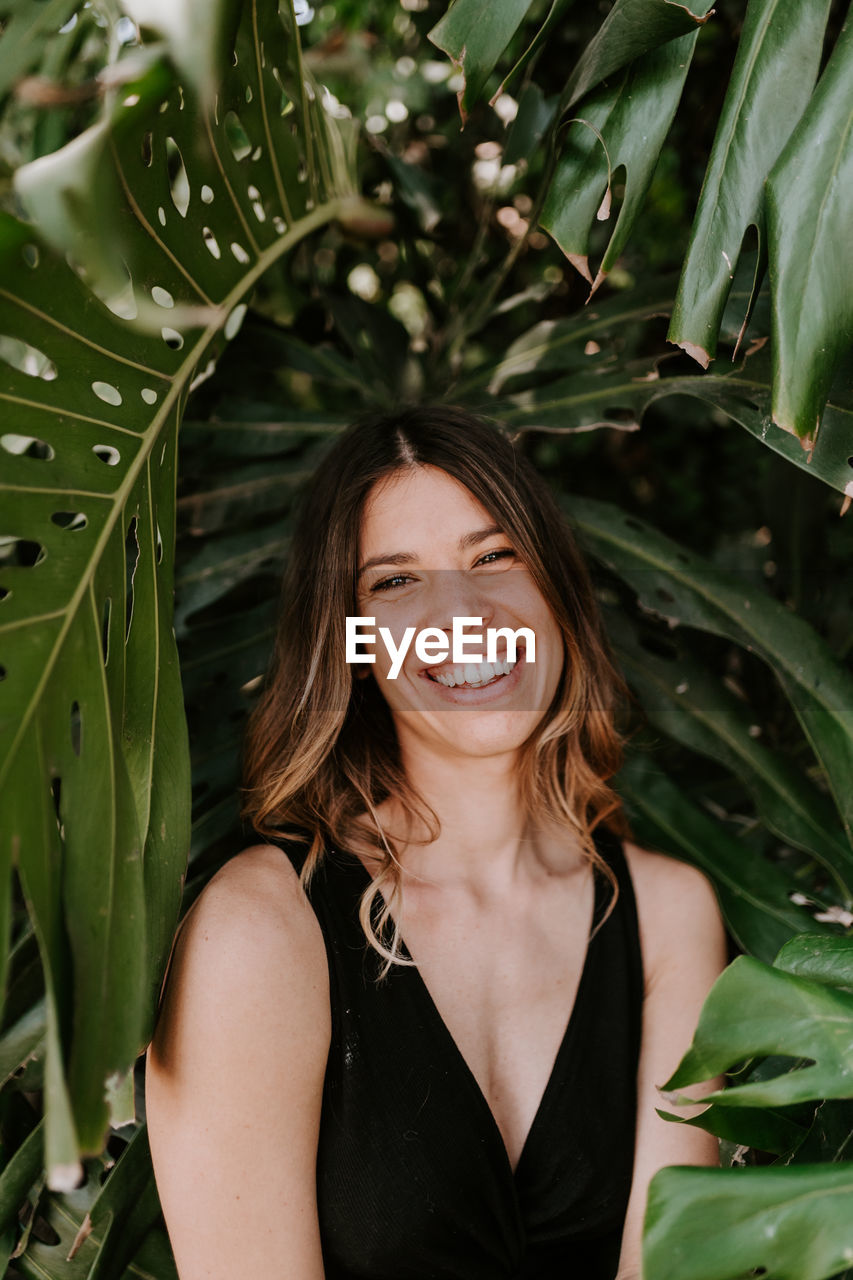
x: 413, y: 1178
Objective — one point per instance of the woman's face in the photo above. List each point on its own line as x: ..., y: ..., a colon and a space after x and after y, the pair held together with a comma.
x: 429, y: 553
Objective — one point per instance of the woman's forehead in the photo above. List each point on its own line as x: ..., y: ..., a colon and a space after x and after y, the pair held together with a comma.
x: 420, y: 505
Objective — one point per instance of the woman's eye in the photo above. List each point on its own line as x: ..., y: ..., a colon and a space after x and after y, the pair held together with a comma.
x: 492, y: 557
x: 388, y: 584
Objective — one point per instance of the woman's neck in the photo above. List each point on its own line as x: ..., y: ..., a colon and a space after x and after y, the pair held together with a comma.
x: 483, y: 829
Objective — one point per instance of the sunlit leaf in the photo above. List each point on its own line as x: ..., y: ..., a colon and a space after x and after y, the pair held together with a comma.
x: 753, y: 1010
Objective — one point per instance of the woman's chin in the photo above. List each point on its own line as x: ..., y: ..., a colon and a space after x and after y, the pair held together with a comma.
x: 477, y: 734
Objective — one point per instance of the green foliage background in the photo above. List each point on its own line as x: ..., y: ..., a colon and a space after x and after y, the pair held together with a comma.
x: 386, y: 254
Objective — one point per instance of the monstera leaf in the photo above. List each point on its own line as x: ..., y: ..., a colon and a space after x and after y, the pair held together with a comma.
x: 782, y: 162
x: 772, y: 78
x: 213, y: 157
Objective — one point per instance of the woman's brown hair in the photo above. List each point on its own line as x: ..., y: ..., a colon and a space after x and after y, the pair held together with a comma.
x: 321, y: 751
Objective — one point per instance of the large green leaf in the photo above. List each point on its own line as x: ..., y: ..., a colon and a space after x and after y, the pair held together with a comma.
x: 809, y: 193
x: 475, y: 44
x: 107, y: 1229
x: 755, y: 1009
x: 694, y: 707
x: 631, y: 28
x: 771, y: 82
x: 755, y: 895
x: 93, y: 765
x: 623, y: 123
x: 684, y: 588
x: 619, y: 393
x: 721, y: 1224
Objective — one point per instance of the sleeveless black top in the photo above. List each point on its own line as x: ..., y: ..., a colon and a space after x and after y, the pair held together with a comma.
x: 413, y: 1178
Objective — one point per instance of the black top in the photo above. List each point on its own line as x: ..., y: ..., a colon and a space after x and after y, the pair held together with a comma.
x: 413, y: 1178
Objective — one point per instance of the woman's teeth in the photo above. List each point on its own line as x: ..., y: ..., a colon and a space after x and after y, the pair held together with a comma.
x: 474, y: 674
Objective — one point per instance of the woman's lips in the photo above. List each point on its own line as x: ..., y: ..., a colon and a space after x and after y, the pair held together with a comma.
x: 504, y: 678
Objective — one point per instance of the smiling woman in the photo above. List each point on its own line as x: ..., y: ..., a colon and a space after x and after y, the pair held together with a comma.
x: 456, y: 980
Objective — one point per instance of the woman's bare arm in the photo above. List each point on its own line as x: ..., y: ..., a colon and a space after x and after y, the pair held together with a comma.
x: 235, y: 1077
x: 684, y: 951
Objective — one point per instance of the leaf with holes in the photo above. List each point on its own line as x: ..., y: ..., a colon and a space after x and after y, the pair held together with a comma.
x: 169, y: 209
x: 619, y: 392
x: 108, y: 1227
x: 621, y: 124
x: 771, y: 82
x: 755, y: 1010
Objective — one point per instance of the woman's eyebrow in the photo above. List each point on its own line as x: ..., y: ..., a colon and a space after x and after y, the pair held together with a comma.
x: 472, y: 539
x: 394, y: 557
x: 480, y: 535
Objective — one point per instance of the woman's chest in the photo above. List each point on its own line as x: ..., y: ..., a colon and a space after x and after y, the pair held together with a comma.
x: 504, y: 986
x: 414, y: 1176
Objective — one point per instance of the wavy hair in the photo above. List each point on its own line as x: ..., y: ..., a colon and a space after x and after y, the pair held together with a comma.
x: 321, y: 750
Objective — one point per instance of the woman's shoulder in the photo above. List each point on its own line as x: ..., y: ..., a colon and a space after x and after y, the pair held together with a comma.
x: 678, y: 912
x: 251, y: 924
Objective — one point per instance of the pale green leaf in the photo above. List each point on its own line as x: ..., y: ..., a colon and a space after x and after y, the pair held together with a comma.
x: 719, y: 1224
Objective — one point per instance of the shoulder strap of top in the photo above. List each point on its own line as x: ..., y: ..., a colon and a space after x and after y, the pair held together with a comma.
x: 295, y: 850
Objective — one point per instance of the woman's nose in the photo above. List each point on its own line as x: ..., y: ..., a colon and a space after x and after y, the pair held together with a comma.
x: 453, y: 593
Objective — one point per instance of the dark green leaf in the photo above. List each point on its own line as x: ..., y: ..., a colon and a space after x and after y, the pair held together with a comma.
x: 681, y: 697
x: 773, y: 76
x: 761, y: 1128
x: 684, y: 588
x: 619, y: 393
x: 621, y: 124
x: 20, y: 1173
x: 475, y: 44
x: 755, y: 895
x: 631, y: 28
x: 809, y: 194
